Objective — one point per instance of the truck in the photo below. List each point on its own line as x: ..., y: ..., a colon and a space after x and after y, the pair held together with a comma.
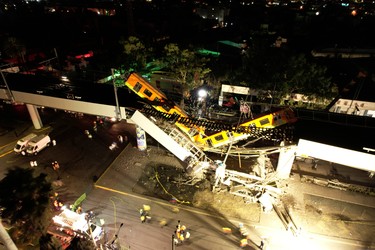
x: 72, y: 223
x: 23, y: 142
x: 36, y: 144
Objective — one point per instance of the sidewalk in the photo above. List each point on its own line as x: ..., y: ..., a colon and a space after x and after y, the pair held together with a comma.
x: 123, y: 174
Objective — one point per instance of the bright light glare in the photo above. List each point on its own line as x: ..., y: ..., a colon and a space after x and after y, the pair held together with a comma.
x: 65, y: 79
x: 202, y: 93
x: 300, y: 242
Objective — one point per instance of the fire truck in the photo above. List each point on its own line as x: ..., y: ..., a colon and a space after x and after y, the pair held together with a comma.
x: 69, y: 224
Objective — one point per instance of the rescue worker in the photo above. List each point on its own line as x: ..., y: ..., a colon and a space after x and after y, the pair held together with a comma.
x: 145, y: 213
x: 261, y: 246
x: 181, y: 233
x: 243, y: 242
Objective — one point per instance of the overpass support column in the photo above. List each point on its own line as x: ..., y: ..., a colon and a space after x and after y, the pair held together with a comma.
x: 285, y: 163
x: 34, y: 114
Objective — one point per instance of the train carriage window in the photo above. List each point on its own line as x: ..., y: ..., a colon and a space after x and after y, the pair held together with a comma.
x: 147, y: 92
x: 264, y: 121
x: 209, y: 142
x: 137, y: 87
x: 166, y: 107
x: 278, y: 117
x: 287, y: 115
x: 229, y: 134
x: 219, y: 137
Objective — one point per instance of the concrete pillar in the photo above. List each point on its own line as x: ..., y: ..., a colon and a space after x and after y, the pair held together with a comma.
x: 34, y: 114
x: 285, y: 163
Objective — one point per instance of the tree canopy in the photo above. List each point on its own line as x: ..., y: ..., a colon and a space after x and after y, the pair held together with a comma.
x: 81, y: 244
x: 136, y: 54
x: 280, y: 71
x: 25, y: 200
x: 13, y: 48
x: 185, y: 65
x: 48, y: 242
x: 283, y: 71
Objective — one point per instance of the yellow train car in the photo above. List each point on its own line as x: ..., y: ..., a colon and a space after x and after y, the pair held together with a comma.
x: 267, y: 121
x: 145, y: 90
x: 159, y: 101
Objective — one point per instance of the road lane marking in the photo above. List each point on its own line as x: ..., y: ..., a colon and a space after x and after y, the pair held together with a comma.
x: 7, y: 153
x: 13, y: 142
x: 163, y: 203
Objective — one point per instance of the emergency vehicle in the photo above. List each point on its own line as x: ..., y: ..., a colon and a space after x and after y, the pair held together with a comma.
x: 73, y: 223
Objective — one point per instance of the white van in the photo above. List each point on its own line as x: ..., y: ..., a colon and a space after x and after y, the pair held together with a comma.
x: 22, y: 143
x: 38, y: 143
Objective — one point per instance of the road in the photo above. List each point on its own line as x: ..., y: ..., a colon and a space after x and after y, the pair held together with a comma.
x: 82, y: 160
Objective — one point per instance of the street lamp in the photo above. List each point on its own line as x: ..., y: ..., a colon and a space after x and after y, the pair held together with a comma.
x: 117, y: 110
x: 173, y: 243
x: 201, y: 104
x: 202, y: 94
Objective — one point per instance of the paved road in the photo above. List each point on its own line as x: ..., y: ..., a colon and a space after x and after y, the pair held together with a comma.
x: 83, y: 160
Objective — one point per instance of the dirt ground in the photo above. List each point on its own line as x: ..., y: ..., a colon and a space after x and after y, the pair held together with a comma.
x: 162, y: 177
x: 169, y: 183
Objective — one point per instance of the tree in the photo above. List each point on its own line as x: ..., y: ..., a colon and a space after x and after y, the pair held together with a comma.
x: 136, y: 54
x: 306, y: 77
x: 81, y: 244
x: 283, y: 72
x: 13, y: 48
x: 186, y: 66
x: 25, y: 200
x: 262, y: 65
x: 48, y: 242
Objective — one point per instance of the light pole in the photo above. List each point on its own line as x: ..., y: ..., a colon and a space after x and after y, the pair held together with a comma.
x: 116, y: 235
x: 173, y: 244
x: 117, y: 110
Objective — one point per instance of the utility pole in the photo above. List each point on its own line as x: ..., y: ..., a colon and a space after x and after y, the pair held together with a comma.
x: 118, y: 114
x: 173, y: 243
